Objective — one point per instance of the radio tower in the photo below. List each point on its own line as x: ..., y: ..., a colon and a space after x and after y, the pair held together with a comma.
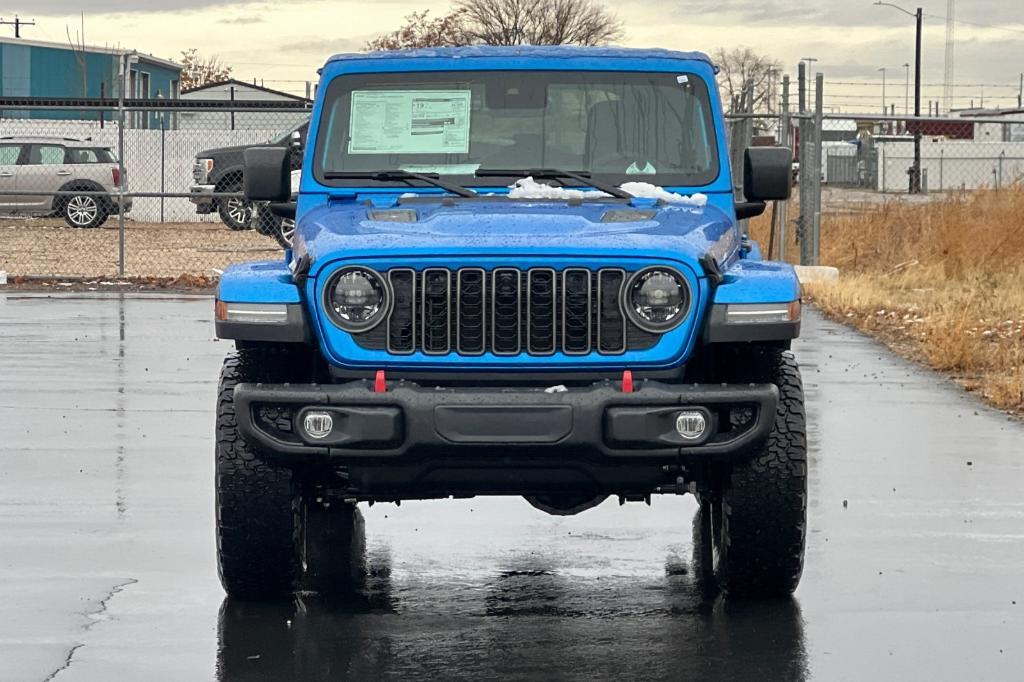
x: 948, y: 81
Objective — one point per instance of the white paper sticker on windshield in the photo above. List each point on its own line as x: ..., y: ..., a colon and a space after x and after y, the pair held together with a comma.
x: 409, y: 122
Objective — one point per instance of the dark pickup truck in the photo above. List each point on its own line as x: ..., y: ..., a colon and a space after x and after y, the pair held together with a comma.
x: 219, y: 171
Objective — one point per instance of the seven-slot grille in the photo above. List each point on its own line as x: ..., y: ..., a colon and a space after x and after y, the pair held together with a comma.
x: 506, y: 311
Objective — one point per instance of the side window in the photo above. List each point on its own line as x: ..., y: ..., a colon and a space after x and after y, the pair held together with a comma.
x: 9, y: 154
x: 45, y: 155
x: 79, y: 155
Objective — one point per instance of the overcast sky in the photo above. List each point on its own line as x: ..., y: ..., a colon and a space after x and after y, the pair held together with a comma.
x: 283, y: 42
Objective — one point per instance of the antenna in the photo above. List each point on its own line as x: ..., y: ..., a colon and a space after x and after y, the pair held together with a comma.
x: 949, y: 75
x: 17, y: 24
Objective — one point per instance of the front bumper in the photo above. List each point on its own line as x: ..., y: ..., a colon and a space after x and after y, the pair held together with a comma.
x: 202, y: 197
x: 475, y: 440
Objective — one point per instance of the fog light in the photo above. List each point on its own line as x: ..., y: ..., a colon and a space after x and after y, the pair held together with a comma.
x: 318, y: 424
x: 691, y: 424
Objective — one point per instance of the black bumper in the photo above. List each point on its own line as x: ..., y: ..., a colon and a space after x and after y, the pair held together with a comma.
x: 476, y: 440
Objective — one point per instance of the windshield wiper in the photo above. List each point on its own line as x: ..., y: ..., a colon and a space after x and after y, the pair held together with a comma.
x: 388, y: 175
x: 555, y: 174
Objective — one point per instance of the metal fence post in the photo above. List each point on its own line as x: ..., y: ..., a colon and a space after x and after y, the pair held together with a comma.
x: 120, y: 165
x: 804, y: 142
x: 816, y: 158
x: 784, y: 141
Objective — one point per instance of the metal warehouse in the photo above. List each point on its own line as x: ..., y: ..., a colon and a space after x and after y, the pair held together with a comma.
x: 32, y: 68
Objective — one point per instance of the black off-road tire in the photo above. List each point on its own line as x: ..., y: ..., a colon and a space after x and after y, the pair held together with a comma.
x: 258, y: 504
x: 761, y: 515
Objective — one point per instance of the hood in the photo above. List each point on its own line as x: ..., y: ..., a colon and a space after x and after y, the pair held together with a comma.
x: 461, y: 229
x: 237, y: 150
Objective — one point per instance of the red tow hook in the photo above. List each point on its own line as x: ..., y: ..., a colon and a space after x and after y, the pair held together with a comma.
x: 380, y: 382
x: 627, y: 381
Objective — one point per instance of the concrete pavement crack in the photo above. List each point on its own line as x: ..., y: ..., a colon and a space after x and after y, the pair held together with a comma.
x: 94, y: 617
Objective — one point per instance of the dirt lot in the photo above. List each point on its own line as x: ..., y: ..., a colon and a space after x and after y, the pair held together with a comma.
x: 47, y: 247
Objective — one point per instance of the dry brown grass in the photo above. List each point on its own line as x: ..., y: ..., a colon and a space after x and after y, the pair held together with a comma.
x: 941, y: 282
x: 47, y: 247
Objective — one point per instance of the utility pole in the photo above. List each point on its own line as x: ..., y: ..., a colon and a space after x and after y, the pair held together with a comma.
x: 17, y: 24
x: 1020, y: 93
x: 906, y: 95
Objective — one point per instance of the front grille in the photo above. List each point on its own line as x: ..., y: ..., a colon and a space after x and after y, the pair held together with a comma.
x: 506, y: 311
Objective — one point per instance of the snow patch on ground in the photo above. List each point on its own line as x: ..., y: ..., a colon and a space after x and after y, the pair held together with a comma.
x: 528, y: 188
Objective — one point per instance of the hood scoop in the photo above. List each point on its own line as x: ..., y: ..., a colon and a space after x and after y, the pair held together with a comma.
x: 392, y: 215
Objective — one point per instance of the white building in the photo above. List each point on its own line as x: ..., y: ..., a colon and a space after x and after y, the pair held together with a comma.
x: 269, y: 122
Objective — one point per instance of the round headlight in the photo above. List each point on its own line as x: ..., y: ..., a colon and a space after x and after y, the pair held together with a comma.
x: 357, y: 299
x: 656, y: 299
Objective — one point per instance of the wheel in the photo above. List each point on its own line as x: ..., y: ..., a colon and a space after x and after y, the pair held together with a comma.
x: 83, y: 211
x: 281, y: 229
x: 236, y: 213
x: 258, y: 504
x: 760, y: 515
x: 285, y: 232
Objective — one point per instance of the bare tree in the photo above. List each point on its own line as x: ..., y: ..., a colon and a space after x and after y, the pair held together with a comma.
x: 741, y: 65
x: 198, y: 71
x: 507, y: 22
x: 420, y: 30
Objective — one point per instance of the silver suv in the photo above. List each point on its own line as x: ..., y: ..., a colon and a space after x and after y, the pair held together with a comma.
x: 34, y: 169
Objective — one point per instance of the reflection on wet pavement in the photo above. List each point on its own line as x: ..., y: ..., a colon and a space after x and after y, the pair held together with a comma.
x: 107, y: 564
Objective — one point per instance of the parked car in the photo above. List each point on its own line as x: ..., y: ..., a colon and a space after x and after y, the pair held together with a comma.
x: 33, y: 165
x: 220, y: 171
x: 511, y: 275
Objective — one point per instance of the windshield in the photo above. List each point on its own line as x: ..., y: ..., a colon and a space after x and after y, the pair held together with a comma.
x: 614, y: 126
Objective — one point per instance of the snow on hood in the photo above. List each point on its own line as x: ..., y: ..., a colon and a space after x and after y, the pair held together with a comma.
x: 528, y: 188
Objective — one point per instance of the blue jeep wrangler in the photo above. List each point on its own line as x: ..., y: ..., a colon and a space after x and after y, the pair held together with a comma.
x: 516, y: 271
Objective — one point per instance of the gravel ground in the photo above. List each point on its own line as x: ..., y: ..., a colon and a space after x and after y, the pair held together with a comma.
x: 47, y: 247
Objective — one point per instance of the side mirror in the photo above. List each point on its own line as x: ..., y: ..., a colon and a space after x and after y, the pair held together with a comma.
x: 295, y: 141
x: 267, y: 174
x: 767, y: 173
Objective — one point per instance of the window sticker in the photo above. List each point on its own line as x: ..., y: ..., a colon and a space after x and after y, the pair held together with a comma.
x: 409, y: 122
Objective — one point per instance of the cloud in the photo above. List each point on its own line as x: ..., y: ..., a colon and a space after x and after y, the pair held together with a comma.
x: 241, y: 19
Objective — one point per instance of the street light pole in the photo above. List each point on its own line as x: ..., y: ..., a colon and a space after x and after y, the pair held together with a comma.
x: 915, y: 171
x: 915, y: 177
x: 885, y: 109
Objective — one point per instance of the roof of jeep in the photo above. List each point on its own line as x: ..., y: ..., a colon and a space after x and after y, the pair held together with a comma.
x: 528, y: 51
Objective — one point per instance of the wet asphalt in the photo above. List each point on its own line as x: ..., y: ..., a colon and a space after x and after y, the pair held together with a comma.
x: 915, y: 561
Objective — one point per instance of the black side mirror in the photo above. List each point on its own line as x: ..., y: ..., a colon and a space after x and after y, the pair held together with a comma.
x: 767, y: 173
x: 267, y: 174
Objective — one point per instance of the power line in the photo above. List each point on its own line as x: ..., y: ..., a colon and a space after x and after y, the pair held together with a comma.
x: 975, y: 23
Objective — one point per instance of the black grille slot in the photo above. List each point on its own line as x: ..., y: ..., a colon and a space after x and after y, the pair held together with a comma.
x: 402, y: 323
x: 507, y: 311
x: 611, y: 323
x: 470, y: 321
x: 576, y: 318
x: 506, y: 293
x: 436, y: 311
x: 540, y: 306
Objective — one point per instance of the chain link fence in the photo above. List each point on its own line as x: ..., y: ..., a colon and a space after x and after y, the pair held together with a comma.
x: 148, y: 189
x: 144, y: 188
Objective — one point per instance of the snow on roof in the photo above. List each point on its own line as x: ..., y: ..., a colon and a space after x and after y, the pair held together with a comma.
x: 531, y: 51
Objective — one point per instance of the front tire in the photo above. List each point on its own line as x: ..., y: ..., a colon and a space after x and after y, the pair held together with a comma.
x: 760, y: 515
x: 258, y: 504
x: 236, y: 213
